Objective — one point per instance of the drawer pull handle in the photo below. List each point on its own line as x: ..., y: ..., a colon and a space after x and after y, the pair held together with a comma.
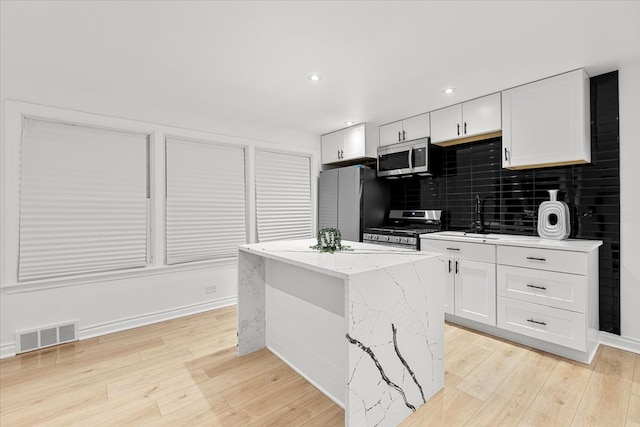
x: 537, y: 322
x: 536, y: 287
x: 536, y: 258
x: 453, y: 249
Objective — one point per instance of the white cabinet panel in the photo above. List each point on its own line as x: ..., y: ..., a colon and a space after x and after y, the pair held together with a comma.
x: 481, y: 115
x: 465, y: 122
x: 415, y: 127
x: 560, y: 290
x: 446, y: 124
x: 470, y: 273
x: 543, y: 259
x: 355, y: 142
x: 391, y: 133
x: 563, y: 327
x: 475, y: 291
x: 460, y: 250
x: 547, y: 122
x: 332, y: 143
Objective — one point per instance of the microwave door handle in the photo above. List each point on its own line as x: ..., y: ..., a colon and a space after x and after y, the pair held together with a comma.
x: 411, y: 159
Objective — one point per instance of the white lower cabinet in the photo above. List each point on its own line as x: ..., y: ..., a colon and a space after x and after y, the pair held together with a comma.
x: 541, y: 297
x: 545, y: 294
x: 471, y: 279
x: 562, y: 327
x: 475, y: 291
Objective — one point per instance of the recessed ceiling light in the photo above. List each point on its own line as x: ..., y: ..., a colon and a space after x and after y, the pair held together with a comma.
x: 449, y: 90
x: 314, y: 77
x: 348, y: 122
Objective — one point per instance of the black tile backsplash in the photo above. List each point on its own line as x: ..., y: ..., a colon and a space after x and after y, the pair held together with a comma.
x: 511, y: 198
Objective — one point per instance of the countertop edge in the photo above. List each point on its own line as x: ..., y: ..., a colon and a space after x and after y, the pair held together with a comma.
x: 573, y: 245
x: 415, y: 256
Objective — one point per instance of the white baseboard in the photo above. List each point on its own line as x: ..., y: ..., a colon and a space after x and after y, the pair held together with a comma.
x: 623, y: 343
x: 9, y: 349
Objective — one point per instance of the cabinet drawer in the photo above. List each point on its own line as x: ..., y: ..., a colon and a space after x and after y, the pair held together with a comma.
x: 562, y: 327
x: 543, y: 259
x: 560, y: 290
x: 463, y: 250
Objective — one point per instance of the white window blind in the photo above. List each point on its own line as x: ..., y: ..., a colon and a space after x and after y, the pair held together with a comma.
x: 283, y: 196
x: 83, y: 200
x: 206, y: 202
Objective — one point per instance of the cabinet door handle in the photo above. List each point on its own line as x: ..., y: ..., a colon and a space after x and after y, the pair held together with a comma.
x: 536, y: 287
x: 457, y: 267
x: 399, y: 136
x: 465, y: 128
x: 453, y: 249
x: 449, y: 266
x: 404, y: 137
x: 537, y: 322
x: 458, y: 127
x: 506, y: 154
x: 536, y: 258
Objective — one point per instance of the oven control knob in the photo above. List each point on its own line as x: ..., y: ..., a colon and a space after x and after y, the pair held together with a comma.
x: 374, y: 237
x: 385, y: 238
x: 405, y: 240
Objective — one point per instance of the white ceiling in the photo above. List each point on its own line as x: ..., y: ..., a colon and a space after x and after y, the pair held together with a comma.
x: 380, y: 60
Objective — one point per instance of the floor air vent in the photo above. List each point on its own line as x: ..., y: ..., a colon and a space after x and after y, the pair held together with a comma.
x: 47, y: 336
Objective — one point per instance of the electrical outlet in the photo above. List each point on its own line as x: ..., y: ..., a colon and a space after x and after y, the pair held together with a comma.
x: 210, y: 289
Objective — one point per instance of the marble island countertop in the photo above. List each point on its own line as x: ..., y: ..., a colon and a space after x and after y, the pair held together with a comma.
x: 576, y: 245
x: 362, y: 258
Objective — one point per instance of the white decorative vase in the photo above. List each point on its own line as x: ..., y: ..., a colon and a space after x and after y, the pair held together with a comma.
x: 553, y: 218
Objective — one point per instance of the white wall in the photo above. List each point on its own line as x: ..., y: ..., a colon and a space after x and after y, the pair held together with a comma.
x: 629, y: 88
x: 109, y: 303
x: 115, y: 304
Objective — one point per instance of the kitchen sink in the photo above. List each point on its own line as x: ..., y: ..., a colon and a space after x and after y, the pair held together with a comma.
x: 470, y: 235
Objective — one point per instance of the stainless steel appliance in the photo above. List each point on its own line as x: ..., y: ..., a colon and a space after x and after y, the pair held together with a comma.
x: 406, y: 158
x: 404, y: 228
x: 352, y: 199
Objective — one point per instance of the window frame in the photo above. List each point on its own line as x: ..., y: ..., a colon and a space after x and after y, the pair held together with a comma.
x: 12, y: 116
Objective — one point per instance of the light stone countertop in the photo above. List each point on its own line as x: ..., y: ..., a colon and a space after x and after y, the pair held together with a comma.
x: 575, y: 245
x: 363, y: 258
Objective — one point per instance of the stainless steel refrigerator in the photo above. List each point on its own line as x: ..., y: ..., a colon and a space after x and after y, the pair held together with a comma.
x: 351, y: 199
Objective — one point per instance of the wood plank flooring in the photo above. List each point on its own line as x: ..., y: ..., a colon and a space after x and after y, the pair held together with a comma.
x: 185, y: 372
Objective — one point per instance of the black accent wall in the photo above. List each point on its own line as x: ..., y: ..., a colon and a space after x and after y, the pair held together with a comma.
x: 511, y: 198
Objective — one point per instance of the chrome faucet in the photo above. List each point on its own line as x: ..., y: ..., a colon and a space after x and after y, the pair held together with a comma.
x: 478, y: 226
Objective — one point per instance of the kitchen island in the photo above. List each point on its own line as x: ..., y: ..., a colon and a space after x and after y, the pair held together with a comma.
x: 365, y: 326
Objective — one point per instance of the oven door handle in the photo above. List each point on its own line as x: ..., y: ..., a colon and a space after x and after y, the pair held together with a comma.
x: 411, y: 159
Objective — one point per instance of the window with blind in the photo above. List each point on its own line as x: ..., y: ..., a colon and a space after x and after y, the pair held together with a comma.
x: 283, y: 196
x: 205, y: 201
x: 84, y: 200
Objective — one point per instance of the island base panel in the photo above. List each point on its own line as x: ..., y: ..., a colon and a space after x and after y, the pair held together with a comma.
x: 310, y: 339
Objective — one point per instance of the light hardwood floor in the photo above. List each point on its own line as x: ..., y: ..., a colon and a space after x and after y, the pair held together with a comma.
x: 184, y: 372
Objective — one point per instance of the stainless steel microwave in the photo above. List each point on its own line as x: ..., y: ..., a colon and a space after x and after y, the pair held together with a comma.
x: 406, y: 158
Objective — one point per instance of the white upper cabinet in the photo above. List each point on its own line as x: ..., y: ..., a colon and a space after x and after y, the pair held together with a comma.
x: 481, y: 115
x: 415, y: 127
x: 391, y: 133
x: 445, y: 124
x: 546, y: 123
x: 355, y: 142
x: 467, y: 121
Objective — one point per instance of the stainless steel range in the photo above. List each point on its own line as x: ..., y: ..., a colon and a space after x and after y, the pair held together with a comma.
x: 404, y: 228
